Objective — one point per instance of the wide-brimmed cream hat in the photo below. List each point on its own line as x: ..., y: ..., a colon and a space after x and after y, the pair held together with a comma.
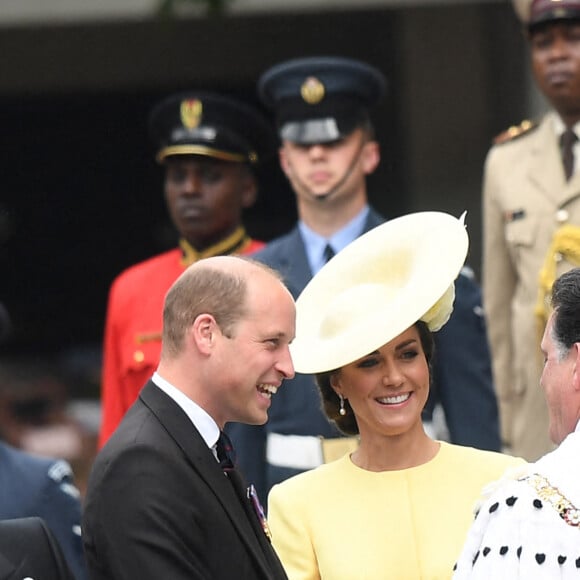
x: 378, y: 286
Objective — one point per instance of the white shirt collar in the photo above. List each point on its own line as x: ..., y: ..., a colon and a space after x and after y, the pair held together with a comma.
x: 202, y: 421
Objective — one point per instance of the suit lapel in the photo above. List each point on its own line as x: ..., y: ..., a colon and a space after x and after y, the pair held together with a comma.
x: 202, y: 461
x: 7, y: 569
x: 241, y: 487
x: 373, y: 220
x: 294, y: 264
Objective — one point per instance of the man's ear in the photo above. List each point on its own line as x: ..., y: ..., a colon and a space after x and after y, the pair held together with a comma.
x: 285, y: 166
x: 371, y: 156
x: 576, y: 369
x: 249, y: 189
x: 204, y: 332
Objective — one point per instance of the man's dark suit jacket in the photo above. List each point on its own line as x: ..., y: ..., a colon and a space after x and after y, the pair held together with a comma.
x: 29, y: 550
x: 462, y: 378
x: 158, y: 505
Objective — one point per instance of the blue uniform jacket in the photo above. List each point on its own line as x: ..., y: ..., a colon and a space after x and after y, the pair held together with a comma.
x: 38, y: 486
x: 462, y: 378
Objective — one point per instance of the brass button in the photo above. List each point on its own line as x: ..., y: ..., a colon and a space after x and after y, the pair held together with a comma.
x: 138, y: 356
x: 562, y: 216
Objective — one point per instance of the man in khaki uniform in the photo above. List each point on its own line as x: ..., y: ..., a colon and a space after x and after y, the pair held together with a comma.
x: 531, y: 208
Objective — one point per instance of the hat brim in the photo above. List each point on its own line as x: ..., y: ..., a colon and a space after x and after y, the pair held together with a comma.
x: 315, y: 131
x: 376, y: 288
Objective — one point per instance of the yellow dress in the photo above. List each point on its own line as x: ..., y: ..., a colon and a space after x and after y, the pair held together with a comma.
x: 340, y: 522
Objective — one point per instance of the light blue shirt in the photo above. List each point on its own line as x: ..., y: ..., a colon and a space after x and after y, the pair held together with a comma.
x: 315, y: 243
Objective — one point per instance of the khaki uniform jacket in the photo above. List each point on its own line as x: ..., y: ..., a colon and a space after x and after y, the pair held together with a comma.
x: 525, y: 200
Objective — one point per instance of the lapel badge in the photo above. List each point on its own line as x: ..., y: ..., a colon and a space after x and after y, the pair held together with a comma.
x: 190, y: 112
x: 312, y: 91
x: 255, y: 501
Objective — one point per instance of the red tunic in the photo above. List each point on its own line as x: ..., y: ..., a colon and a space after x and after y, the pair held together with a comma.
x: 132, y: 342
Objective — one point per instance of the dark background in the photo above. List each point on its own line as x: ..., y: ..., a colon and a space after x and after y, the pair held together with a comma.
x: 81, y: 196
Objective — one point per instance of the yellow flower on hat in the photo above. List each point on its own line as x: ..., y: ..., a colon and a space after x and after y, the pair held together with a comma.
x: 438, y: 315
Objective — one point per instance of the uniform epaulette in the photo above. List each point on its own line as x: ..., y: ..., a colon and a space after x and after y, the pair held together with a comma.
x: 515, y: 131
x: 60, y: 470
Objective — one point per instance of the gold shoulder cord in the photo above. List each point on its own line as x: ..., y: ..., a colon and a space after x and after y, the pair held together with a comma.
x: 234, y: 243
x: 550, y: 494
x: 565, y: 246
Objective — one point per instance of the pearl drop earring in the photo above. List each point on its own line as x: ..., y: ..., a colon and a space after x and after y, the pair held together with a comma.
x: 342, y: 410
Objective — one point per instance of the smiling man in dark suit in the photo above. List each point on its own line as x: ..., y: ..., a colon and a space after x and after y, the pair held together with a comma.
x: 159, y: 504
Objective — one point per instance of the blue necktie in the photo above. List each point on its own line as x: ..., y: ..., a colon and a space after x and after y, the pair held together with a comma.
x: 328, y: 253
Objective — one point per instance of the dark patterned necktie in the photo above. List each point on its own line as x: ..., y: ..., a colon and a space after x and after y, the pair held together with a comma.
x: 225, y: 452
x: 567, y: 141
x: 328, y: 253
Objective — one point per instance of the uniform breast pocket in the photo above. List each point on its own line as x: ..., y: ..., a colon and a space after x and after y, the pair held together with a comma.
x: 521, y: 235
x: 521, y: 231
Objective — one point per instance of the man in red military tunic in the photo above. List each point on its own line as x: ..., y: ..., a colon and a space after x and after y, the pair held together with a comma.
x: 209, y: 145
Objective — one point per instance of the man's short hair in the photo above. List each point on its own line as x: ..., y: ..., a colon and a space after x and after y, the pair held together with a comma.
x: 202, y: 290
x: 206, y: 289
x: 566, y: 304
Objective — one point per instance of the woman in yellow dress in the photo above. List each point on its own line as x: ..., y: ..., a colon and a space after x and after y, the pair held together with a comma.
x: 400, y: 505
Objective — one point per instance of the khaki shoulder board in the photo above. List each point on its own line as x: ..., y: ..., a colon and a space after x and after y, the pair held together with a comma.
x: 515, y: 131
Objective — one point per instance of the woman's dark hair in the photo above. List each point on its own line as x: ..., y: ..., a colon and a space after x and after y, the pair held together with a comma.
x: 331, y: 401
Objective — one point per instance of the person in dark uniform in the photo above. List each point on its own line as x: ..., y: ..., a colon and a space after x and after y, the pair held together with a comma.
x: 32, y: 486
x: 38, y: 486
x: 322, y: 107
x: 209, y: 145
x: 29, y: 550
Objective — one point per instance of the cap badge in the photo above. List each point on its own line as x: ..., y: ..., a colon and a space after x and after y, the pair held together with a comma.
x: 312, y: 90
x: 191, y: 111
x: 559, y: 12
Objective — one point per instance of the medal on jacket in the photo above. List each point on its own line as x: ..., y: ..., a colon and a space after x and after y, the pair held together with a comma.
x: 255, y: 501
